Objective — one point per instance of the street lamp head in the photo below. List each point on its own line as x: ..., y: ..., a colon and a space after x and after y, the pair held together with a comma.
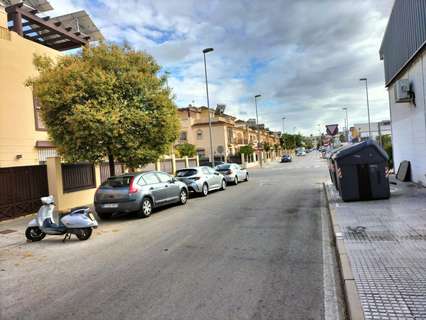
x: 363, y: 79
x: 258, y: 96
x: 207, y: 50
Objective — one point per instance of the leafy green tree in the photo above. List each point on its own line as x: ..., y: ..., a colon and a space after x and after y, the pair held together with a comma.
x: 247, y: 149
x: 106, y: 102
x: 387, y: 146
x: 186, y: 150
x: 267, y: 147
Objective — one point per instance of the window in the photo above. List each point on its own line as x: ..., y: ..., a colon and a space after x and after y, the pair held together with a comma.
x: 200, y: 135
x: 141, y: 182
x: 117, y: 182
x: 183, y: 136
x: 39, y: 124
x: 186, y: 172
x: 150, y: 178
x: 164, y: 177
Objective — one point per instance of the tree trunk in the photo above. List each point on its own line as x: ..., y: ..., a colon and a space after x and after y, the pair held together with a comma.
x: 111, y: 164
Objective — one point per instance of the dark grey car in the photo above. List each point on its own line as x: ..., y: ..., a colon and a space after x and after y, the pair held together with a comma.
x: 138, y: 192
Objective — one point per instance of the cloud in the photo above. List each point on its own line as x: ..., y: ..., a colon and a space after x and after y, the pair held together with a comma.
x: 305, y: 57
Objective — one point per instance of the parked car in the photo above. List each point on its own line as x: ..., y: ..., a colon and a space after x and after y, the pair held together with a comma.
x: 139, y: 193
x: 286, y: 158
x: 233, y: 172
x: 201, y: 179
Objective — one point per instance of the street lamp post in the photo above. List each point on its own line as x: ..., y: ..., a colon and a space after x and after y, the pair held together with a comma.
x: 346, y: 123
x: 284, y: 118
x: 258, y: 130
x: 207, y: 50
x: 368, y: 106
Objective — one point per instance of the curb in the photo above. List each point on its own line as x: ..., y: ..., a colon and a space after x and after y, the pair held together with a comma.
x: 354, y: 307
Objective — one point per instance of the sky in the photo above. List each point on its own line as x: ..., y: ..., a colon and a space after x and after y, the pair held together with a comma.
x: 304, y: 57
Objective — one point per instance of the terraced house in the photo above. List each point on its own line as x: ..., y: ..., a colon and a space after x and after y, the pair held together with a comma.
x: 229, y: 134
x: 26, y: 30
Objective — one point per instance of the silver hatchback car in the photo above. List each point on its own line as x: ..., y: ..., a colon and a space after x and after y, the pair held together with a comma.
x: 138, y: 192
x: 233, y: 172
x: 201, y: 179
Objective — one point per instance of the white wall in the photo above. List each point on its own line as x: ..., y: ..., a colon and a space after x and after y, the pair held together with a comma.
x: 409, y: 122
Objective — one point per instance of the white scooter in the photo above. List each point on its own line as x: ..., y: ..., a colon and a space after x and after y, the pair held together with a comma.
x: 79, y: 221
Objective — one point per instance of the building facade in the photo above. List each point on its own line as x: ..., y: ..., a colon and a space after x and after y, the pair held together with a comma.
x: 361, y: 130
x: 403, y: 52
x: 228, y: 133
x: 24, y: 33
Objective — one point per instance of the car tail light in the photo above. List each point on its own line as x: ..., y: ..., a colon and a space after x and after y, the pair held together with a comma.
x: 132, y: 187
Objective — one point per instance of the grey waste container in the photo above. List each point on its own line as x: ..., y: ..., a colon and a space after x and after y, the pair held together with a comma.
x: 361, y: 172
x: 332, y: 167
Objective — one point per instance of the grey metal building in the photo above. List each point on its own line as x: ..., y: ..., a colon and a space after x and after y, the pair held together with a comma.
x: 403, y: 51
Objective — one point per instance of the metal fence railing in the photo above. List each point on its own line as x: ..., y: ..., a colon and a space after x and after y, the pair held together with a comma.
x: 76, y: 177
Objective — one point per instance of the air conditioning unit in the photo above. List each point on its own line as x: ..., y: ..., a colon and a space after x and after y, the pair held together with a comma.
x: 402, y: 91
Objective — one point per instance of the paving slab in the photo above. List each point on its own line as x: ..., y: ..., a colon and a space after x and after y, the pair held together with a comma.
x: 385, y: 241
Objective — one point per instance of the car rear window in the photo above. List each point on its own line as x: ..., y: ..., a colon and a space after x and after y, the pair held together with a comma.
x: 186, y: 173
x: 223, y: 167
x: 117, y: 182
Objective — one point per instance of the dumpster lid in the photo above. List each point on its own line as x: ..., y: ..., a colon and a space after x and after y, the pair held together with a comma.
x: 352, y: 149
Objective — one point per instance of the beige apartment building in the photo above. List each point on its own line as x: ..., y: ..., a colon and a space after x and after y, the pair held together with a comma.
x: 228, y: 133
x: 24, y: 32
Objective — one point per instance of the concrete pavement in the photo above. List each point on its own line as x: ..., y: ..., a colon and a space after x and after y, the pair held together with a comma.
x: 254, y: 251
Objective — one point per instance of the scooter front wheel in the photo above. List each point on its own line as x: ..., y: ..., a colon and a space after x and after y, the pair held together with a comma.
x: 83, y: 234
x: 34, y: 234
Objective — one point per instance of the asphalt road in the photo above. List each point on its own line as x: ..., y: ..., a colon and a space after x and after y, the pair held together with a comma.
x: 253, y: 251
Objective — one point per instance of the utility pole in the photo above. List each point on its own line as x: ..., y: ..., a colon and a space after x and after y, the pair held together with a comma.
x: 283, y: 135
x: 258, y: 130
x: 368, y: 106
x: 207, y: 50
x: 346, y: 124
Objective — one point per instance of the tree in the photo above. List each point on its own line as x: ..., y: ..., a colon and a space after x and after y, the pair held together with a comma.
x: 106, y: 102
x: 247, y: 149
x: 387, y: 146
x: 267, y: 147
x: 186, y: 150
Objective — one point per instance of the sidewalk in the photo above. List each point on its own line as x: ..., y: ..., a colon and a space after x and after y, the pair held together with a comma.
x: 386, y: 244
x: 12, y: 232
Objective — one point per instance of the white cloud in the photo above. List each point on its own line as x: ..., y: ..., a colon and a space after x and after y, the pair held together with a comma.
x: 305, y: 56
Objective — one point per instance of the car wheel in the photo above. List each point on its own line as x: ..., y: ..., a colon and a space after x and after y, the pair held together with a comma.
x: 223, y: 186
x: 204, y: 190
x: 246, y: 177
x: 183, y: 197
x: 146, y: 208
x: 236, y: 180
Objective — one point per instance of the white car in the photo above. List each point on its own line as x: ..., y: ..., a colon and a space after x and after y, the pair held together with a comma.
x: 232, y: 172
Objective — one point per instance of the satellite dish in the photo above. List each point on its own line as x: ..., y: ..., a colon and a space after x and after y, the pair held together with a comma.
x: 220, y: 109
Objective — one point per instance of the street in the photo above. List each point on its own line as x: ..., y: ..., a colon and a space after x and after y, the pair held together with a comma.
x: 253, y: 251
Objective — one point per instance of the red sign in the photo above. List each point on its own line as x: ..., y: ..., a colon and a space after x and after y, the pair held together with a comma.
x: 332, y: 129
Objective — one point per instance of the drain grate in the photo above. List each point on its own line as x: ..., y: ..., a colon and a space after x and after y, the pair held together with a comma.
x: 7, y: 231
